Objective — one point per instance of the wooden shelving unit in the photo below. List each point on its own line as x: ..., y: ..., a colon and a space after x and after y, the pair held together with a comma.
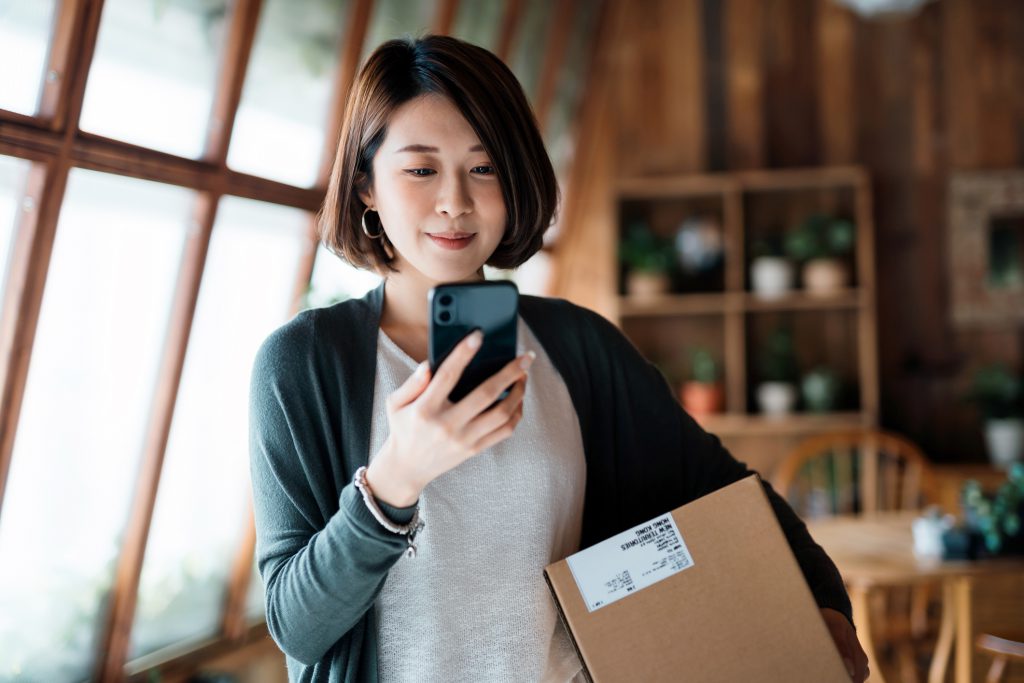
x: 839, y: 327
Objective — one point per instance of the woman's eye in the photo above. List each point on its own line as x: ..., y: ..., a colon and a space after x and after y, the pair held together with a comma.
x: 419, y: 172
x: 486, y: 170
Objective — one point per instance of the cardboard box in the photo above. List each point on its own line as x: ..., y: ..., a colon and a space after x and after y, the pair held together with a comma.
x: 709, y: 592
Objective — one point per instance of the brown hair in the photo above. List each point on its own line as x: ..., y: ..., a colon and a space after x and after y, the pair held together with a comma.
x: 488, y: 95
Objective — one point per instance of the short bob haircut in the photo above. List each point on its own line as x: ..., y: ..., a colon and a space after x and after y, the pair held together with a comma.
x: 492, y: 101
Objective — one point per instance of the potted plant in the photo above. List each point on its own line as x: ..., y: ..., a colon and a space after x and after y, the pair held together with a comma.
x: 820, y: 390
x: 703, y: 393
x: 991, y: 525
x: 776, y: 394
x: 999, y: 395
x: 771, y: 273
x: 648, y: 259
x: 821, y: 244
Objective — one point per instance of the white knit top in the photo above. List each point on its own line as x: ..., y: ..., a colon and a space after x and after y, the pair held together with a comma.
x: 473, y: 604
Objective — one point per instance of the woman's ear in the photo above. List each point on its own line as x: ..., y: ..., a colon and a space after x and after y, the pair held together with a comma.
x: 364, y: 190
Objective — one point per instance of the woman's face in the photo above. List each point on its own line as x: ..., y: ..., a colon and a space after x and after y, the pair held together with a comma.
x: 436, y: 192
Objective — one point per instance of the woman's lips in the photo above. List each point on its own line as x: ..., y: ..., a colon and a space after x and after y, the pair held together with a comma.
x: 459, y: 242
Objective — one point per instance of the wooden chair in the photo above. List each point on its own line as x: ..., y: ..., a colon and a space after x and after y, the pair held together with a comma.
x: 861, y: 472
x: 855, y: 472
x: 1003, y: 650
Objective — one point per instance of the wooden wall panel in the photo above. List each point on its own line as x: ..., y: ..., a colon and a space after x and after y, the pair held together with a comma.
x: 935, y: 360
x: 994, y: 69
x: 661, y: 101
x: 962, y: 106
x: 744, y: 74
x: 807, y: 82
x: 714, y: 83
x: 835, y: 33
x: 683, y: 60
x: 790, y: 83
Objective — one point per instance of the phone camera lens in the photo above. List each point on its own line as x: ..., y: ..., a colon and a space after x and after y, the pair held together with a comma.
x: 445, y: 316
x: 446, y: 299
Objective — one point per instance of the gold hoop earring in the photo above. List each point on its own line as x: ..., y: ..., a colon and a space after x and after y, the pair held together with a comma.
x: 384, y: 243
x: 366, y: 232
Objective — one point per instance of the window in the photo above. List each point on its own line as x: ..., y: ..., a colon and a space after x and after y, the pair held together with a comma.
x: 25, y: 27
x: 398, y: 19
x: 335, y: 280
x: 204, y: 490
x: 528, y: 48
x: 558, y: 131
x: 279, y: 129
x: 114, y: 267
x: 153, y: 75
x: 12, y: 180
x: 478, y: 23
x: 91, y: 380
x: 255, y: 598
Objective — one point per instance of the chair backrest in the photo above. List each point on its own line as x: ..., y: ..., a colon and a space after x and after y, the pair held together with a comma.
x: 855, y: 472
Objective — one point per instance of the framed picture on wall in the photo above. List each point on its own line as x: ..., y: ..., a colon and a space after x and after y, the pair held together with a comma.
x: 986, y: 247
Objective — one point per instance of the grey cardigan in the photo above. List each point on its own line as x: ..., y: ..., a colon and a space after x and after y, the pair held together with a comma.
x: 323, y: 557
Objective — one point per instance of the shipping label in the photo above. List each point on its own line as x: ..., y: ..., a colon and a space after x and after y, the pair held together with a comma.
x: 629, y: 562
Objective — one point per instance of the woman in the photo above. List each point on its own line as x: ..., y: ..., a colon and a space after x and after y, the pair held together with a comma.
x: 402, y: 537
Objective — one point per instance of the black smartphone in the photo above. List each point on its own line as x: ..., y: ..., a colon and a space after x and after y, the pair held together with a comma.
x: 457, y: 309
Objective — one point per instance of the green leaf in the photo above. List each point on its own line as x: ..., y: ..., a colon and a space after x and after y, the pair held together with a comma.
x: 993, y: 541
x: 1011, y: 524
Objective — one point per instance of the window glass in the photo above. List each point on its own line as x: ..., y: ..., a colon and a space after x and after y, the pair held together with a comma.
x: 25, y: 28
x: 335, y: 280
x: 529, y: 45
x: 478, y: 22
x: 279, y: 129
x: 12, y: 189
x: 203, y: 500
x: 255, y: 599
x: 89, y: 390
x: 152, y: 78
x: 397, y: 19
x: 559, y: 131
x: 533, y: 277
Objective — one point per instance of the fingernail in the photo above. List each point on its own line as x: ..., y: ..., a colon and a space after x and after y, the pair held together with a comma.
x: 527, y: 360
x: 421, y: 369
x: 475, y: 339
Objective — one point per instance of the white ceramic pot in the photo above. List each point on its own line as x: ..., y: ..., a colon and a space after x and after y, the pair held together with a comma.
x: 771, y: 276
x: 1005, y: 441
x: 928, y: 530
x: 776, y: 399
x: 825, y: 276
x: 647, y: 285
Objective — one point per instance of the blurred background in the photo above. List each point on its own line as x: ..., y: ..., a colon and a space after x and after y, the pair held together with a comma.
x: 808, y: 213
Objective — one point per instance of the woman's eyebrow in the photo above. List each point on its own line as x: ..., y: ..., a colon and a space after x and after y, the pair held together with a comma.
x: 424, y: 149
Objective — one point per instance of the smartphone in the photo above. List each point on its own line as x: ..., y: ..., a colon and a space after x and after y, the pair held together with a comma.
x: 459, y: 308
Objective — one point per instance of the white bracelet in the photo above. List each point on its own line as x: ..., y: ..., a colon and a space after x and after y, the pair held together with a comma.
x: 408, y: 530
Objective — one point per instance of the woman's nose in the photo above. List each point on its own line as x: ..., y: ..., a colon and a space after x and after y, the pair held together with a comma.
x: 453, y: 199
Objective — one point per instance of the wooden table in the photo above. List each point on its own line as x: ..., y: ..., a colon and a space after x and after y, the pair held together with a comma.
x: 877, y: 551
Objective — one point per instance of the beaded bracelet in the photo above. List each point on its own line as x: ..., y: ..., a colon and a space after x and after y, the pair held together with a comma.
x: 409, y: 530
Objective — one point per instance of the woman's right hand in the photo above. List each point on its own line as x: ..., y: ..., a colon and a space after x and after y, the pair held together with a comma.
x: 430, y: 435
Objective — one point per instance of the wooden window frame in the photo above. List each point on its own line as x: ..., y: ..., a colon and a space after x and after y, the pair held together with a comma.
x: 52, y: 141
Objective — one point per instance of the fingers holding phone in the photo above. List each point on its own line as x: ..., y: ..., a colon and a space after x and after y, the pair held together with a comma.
x: 430, y: 435
x: 497, y: 423
x: 451, y: 370
x: 494, y: 389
